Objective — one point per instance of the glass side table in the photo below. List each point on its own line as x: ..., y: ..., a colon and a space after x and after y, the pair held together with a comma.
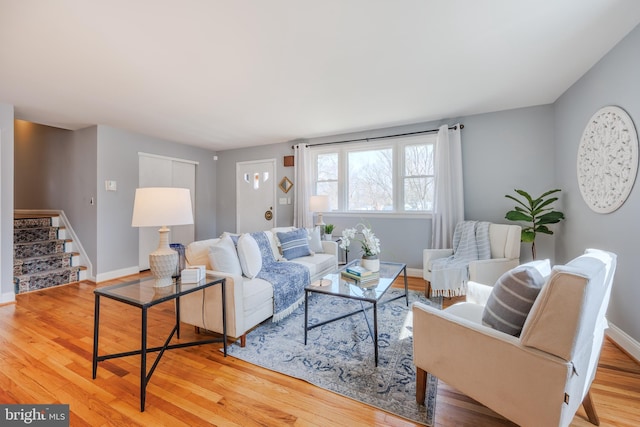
x: 142, y: 294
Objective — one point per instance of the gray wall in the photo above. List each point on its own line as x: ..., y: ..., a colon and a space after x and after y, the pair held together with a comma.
x: 36, y: 152
x: 56, y: 170
x: 505, y: 151
x: 7, y: 292
x: 117, y: 155
x: 612, y: 81
x: 501, y: 151
x: 80, y: 179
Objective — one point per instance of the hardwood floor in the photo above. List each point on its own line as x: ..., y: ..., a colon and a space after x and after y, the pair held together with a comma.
x: 46, y: 343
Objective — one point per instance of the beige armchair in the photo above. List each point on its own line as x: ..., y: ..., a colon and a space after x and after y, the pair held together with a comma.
x: 505, y: 255
x: 539, y: 378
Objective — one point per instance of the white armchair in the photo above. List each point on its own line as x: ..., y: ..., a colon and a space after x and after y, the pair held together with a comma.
x: 505, y: 255
x: 539, y: 378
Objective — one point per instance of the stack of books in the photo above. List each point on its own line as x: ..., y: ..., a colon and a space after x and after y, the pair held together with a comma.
x: 359, y: 274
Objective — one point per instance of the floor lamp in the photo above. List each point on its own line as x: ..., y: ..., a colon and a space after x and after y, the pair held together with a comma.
x: 161, y: 207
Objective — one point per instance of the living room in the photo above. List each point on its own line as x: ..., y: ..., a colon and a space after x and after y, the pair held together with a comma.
x: 532, y: 146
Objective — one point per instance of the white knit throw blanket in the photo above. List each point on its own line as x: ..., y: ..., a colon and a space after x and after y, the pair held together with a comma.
x: 449, y: 275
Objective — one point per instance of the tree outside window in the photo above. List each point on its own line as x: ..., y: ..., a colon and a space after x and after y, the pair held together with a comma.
x: 396, y: 176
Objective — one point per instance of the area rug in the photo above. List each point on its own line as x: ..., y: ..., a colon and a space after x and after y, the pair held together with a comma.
x: 339, y: 356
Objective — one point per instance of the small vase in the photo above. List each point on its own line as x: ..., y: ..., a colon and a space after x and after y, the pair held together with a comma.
x: 371, y: 263
x: 328, y: 237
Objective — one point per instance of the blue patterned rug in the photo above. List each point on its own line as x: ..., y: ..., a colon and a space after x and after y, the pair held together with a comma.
x: 339, y: 356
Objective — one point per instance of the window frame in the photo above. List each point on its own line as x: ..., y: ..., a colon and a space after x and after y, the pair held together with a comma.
x: 398, y: 146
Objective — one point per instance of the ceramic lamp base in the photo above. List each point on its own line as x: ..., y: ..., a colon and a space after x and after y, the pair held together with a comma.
x: 163, y: 266
x: 163, y: 261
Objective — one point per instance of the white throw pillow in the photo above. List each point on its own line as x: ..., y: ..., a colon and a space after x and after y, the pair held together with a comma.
x: 223, y: 256
x: 249, y: 255
x: 315, y: 242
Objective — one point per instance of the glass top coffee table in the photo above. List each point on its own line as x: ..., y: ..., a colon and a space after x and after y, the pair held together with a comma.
x: 368, y: 292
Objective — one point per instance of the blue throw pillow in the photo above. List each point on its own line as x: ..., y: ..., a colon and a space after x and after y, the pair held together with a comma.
x: 294, y: 244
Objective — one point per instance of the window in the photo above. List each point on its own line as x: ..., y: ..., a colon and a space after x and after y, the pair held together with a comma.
x: 370, y: 180
x: 394, y: 175
x: 418, y: 177
x: 327, y: 177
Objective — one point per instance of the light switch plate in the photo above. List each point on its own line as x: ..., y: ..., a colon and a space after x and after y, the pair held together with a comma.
x: 111, y: 185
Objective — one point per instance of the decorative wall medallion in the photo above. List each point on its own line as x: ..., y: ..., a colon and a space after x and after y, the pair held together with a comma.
x: 607, y: 159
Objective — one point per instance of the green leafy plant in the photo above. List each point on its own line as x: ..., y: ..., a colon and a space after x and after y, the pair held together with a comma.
x: 328, y: 228
x: 538, y: 212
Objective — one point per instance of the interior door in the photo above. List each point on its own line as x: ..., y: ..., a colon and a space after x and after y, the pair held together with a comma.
x: 255, y: 195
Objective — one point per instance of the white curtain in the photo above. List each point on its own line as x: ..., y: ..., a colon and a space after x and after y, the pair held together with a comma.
x: 302, y: 216
x: 448, y: 206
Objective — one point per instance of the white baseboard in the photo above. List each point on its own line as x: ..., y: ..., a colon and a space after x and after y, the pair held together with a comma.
x: 414, y: 272
x: 110, y: 275
x: 628, y: 344
x: 7, y: 297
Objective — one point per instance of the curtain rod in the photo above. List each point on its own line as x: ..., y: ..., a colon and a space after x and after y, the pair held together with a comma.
x: 380, y: 137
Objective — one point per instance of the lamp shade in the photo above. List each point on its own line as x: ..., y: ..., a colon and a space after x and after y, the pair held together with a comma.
x: 319, y: 203
x: 158, y: 206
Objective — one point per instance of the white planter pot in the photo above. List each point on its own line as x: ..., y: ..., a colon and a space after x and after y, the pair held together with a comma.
x: 328, y: 237
x: 370, y: 263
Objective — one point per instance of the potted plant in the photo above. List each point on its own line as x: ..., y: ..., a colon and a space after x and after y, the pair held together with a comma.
x: 370, y: 245
x: 328, y: 231
x: 538, y: 212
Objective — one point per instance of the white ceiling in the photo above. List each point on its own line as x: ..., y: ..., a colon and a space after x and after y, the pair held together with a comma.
x: 225, y: 74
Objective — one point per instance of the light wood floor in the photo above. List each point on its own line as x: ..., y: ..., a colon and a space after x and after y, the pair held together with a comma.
x: 45, y: 357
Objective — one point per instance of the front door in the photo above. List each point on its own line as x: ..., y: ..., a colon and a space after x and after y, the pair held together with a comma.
x: 255, y: 195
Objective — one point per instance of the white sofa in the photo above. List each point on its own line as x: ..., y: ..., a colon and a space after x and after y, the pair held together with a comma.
x: 249, y: 300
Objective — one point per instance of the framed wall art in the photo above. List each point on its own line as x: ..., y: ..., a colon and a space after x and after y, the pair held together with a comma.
x: 285, y: 184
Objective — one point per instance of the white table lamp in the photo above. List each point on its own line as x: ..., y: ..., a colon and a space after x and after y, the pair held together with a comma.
x: 161, y: 207
x: 319, y: 204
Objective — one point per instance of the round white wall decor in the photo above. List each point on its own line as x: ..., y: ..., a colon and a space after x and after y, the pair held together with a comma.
x: 607, y: 159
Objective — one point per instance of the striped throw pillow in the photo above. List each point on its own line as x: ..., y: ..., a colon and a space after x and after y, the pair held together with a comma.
x: 294, y: 244
x: 513, y: 295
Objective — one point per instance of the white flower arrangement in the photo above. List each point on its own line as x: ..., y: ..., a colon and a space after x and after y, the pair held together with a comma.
x: 370, y: 243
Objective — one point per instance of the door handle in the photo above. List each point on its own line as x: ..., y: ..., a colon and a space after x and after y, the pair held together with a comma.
x: 268, y: 215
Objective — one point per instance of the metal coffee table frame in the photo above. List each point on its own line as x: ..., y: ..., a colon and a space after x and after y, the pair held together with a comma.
x: 333, y: 284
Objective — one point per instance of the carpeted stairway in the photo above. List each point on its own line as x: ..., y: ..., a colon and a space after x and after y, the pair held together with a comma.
x: 42, y: 256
